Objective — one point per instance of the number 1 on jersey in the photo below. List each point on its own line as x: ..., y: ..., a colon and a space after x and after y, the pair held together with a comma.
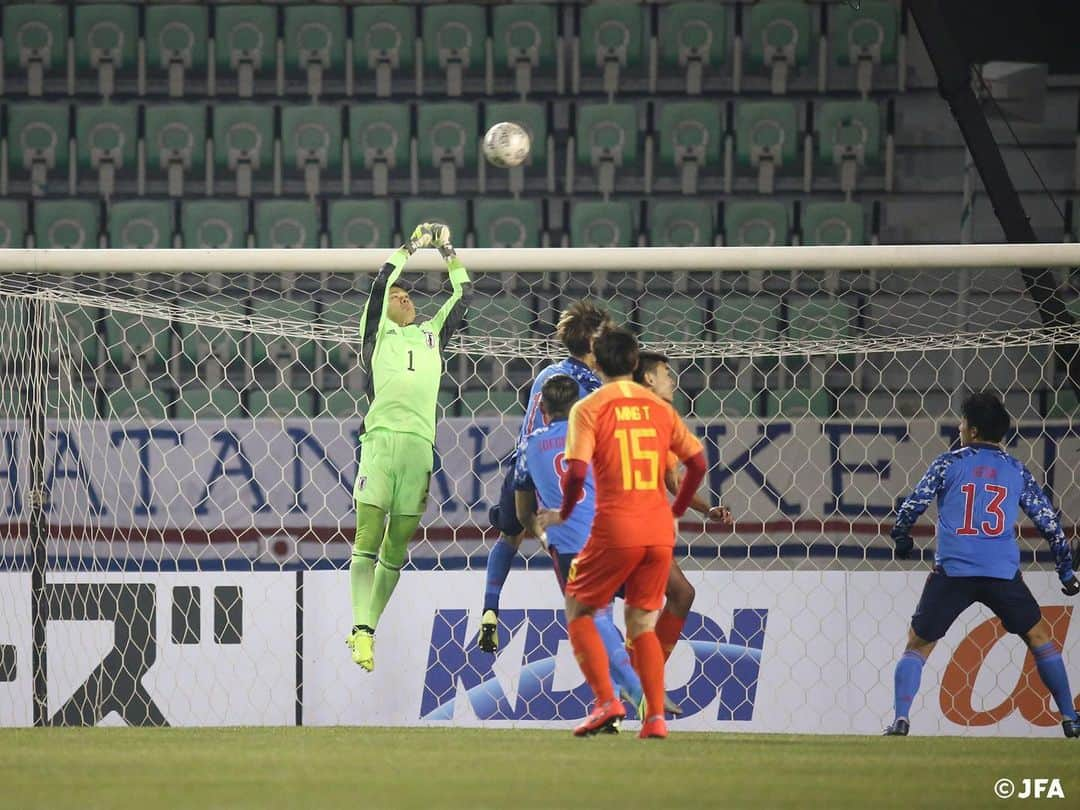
x: 410, y: 368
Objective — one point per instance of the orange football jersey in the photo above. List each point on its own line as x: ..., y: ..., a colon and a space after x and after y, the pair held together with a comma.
x: 626, y: 432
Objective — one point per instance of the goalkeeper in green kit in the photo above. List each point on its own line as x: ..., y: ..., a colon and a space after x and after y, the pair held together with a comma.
x: 402, y: 358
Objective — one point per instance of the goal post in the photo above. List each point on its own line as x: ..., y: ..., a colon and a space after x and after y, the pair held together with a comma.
x: 178, y: 442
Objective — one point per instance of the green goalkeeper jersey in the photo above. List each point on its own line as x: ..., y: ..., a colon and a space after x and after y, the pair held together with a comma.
x: 404, y: 364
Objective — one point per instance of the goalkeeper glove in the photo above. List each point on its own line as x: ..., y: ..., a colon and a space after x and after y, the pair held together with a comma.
x: 428, y: 234
x: 904, y: 546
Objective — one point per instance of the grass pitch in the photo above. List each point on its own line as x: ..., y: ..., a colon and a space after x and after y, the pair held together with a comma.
x: 363, y: 768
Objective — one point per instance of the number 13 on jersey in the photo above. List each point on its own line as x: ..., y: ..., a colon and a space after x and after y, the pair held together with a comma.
x: 640, y: 465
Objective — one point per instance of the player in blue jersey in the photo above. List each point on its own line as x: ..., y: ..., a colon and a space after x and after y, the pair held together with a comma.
x: 980, y: 490
x: 538, y: 483
x: 577, y: 326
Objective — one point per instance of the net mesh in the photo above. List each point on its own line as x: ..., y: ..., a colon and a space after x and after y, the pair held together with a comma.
x: 201, y: 436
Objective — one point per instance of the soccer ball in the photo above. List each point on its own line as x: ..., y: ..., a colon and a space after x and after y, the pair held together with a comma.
x: 506, y: 145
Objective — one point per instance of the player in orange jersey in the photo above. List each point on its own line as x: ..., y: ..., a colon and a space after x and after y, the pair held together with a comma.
x: 625, y: 431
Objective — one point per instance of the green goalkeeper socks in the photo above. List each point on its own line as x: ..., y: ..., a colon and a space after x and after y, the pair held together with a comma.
x: 373, y: 583
x: 386, y: 579
x: 361, y: 580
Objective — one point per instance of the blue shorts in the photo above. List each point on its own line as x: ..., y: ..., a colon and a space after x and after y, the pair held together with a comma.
x: 503, y: 516
x: 944, y: 598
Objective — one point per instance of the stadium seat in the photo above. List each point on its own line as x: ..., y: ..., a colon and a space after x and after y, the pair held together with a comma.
x: 137, y: 342
x: 693, y: 37
x: 245, y: 44
x: 35, y: 42
x: 447, y: 140
x: 286, y: 224
x: 176, y: 143
x: 507, y: 316
x: 1062, y: 404
x: 214, y: 224
x: 75, y: 401
x: 849, y: 136
x: 343, y: 403
x: 730, y: 404
x: 198, y: 401
x: 280, y: 350
x: 315, y: 38
x: 601, y: 224
x: 681, y: 223
x: 311, y: 143
x: 744, y: 318
x: 343, y: 313
x: 201, y: 344
x: 490, y: 402
x: 176, y: 43
x: 106, y: 41
x: 66, y: 224
x: 819, y: 318
x: 864, y: 38
x: 280, y: 401
x: 756, y: 224
x: 38, y: 143
x: 380, y: 136
x: 507, y: 223
x: 454, y: 38
x: 361, y: 223
x: 766, y: 138
x: 524, y: 41
x: 451, y: 213
x: 611, y: 40
x: 672, y: 317
x: 607, y: 139
x: 12, y: 224
x: 144, y: 403
x: 833, y: 223
x: 533, y: 119
x: 384, y: 43
x: 796, y: 402
x: 778, y: 32
x: 690, y: 138
x: 244, y: 141
x: 79, y: 323
x: 106, y: 138
x: 140, y: 224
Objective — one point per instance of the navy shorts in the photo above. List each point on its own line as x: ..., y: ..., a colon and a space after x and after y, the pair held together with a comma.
x: 503, y: 516
x: 561, y: 563
x: 944, y: 598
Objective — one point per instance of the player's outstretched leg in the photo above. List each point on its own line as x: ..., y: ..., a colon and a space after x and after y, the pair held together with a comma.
x: 592, y: 658
x: 648, y: 658
x: 370, y: 526
x: 679, y: 599
x: 500, y: 559
x: 622, y: 672
x: 1051, y: 669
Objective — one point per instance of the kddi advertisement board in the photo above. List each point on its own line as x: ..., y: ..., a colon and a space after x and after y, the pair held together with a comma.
x: 806, y: 652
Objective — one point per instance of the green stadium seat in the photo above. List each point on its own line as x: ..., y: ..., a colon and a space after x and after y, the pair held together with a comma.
x: 79, y: 324
x: 12, y: 224
x: 447, y: 140
x: 198, y: 401
x: 75, y: 402
x: 176, y: 43
x: 778, y: 39
x: 864, y: 38
x: 384, y: 43
x: 756, y: 224
x: 245, y: 44
x: 199, y: 343
x: 454, y: 39
x: 819, y: 318
x: 533, y: 119
x: 66, y: 224
x: 766, y: 138
x: 176, y: 142
x: 106, y: 41
x: 1062, y: 404
x: 140, y: 224
x: 343, y: 403
x: 286, y: 224
x: 142, y: 403
x: 507, y: 316
x: 674, y: 317
x: 796, y: 402
x: 507, y: 223
x: 612, y: 40
x: 524, y: 41
x: 602, y: 224
x: 380, y: 136
x: 744, y: 319
x: 311, y: 141
x: 38, y: 142
x: 214, y: 224
x: 106, y: 138
x: 693, y: 36
x: 244, y: 141
x: 690, y: 139
x: 451, y: 213
x: 681, y: 223
x: 607, y: 140
x: 849, y: 136
x: 833, y: 223
x: 35, y: 42
x: 490, y: 402
x: 344, y: 313
x: 282, y: 351
x: 315, y: 42
x: 731, y: 404
x: 134, y: 341
x: 280, y: 401
x: 361, y: 223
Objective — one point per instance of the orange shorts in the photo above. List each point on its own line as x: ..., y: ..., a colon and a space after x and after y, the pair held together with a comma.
x: 599, y: 571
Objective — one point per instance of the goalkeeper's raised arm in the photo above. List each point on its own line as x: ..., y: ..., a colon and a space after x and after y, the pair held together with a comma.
x: 402, y: 358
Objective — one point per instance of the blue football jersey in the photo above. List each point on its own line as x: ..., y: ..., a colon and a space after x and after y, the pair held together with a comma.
x: 587, y: 383
x: 980, y: 491
x: 540, y: 467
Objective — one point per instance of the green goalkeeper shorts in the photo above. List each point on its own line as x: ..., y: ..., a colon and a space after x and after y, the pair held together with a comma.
x: 395, y: 472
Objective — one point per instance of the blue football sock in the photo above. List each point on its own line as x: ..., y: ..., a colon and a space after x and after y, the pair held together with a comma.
x: 906, y: 681
x: 622, y: 673
x: 1052, y: 671
x: 498, y: 566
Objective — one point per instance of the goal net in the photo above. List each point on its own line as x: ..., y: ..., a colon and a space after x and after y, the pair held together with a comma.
x: 178, y: 449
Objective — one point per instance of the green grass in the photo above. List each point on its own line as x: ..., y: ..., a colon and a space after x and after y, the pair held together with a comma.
x: 363, y: 768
